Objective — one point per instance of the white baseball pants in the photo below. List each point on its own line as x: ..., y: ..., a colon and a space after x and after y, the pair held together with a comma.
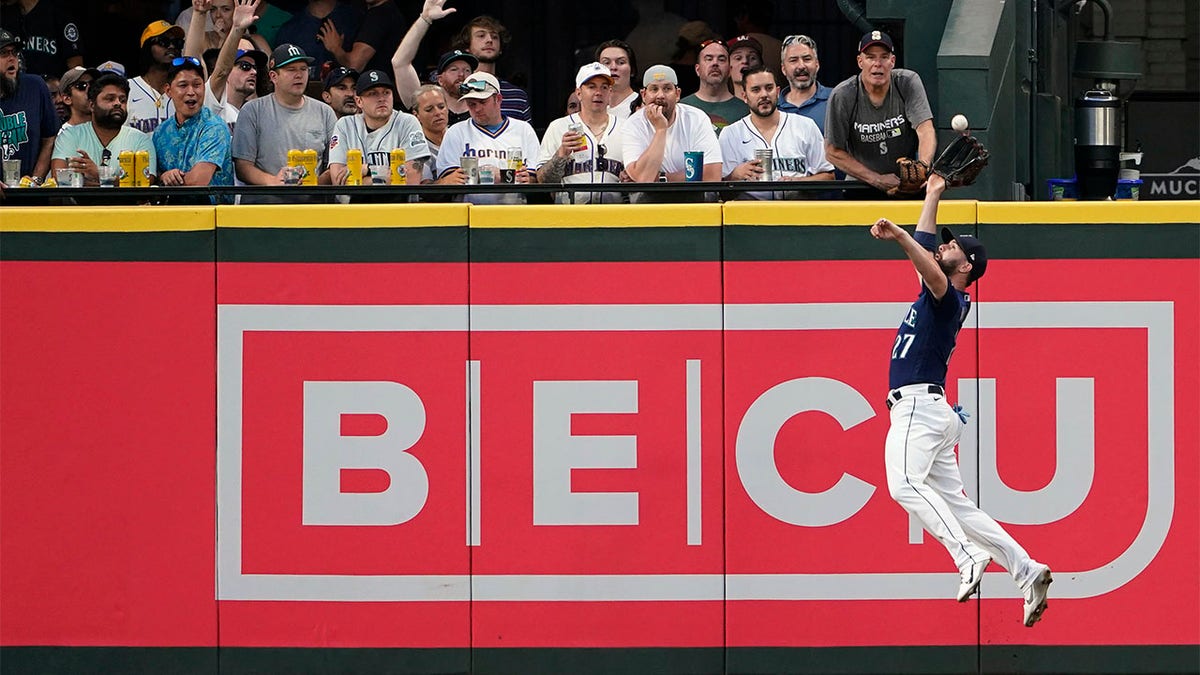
x: 923, y: 476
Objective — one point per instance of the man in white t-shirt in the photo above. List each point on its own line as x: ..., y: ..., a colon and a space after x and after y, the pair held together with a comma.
x: 657, y: 135
x: 376, y: 131
x: 798, y: 148
x: 491, y: 137
x: 585, y: 147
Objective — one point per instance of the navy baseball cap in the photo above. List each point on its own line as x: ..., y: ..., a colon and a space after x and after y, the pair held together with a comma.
x: 338, y: 74
x: 371, y: 79
x: 876, y: 37
x: 974, y: 250
x: 457, y: 55
x: 288, y: 53
x: 7, y: 38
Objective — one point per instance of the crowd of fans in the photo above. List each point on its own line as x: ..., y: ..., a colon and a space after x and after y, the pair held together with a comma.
x: 227, y: 95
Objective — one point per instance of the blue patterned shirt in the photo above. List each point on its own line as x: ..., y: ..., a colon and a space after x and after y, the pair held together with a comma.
x: 203, y: 137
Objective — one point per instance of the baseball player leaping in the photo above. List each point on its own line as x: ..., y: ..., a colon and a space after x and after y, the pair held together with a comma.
x: 922, y: 470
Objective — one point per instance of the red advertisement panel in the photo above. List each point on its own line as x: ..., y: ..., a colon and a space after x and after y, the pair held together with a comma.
x: 106, y: 454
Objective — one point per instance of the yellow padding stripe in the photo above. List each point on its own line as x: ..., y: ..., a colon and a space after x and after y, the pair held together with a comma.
x: 597, y: 216
x: 844, y: 213
x: 107, y: 219
x: 1089, y: 212
x: 344, y: 216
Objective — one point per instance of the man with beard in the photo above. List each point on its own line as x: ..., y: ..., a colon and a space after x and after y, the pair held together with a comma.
x: 489, y: 136
x: 28, y: 121
x: 804, y: 94
x: 658, y: 134
x: 592, y: 153
x: 54, y: 86
x: 161, y: 43
x: 744, y: 52
x: 101, y: 141
x: 75, y: 83
x: 879, y: 116
x: 192, y: 146
x: 339, y: 91
x: 270, y: 126
x: 922, y: 470
x: 798, y: 150
x: 486, y: 38
x: 376, y: 131
x: 714, y: 96
x: 50, y: 35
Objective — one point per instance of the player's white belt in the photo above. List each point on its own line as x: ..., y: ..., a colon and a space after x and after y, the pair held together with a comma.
x: 908, y: 390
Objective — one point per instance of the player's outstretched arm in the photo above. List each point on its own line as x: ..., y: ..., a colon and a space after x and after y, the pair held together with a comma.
x: 927, y: 268
x: 934, y: 188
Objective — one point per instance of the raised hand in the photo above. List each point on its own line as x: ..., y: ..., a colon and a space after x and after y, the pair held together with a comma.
x: 434, y: 10
x: 201, y: 6
x: 243, y: 14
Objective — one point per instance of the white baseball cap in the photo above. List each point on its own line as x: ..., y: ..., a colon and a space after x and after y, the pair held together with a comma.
x: 480, y: 85
x: 591, y: 70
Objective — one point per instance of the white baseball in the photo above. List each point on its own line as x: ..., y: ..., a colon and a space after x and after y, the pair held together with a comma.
x: 959, y: 123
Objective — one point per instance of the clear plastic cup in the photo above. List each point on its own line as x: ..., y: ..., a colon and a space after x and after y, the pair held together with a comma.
x: 68, y: 178
x: 109, y: 175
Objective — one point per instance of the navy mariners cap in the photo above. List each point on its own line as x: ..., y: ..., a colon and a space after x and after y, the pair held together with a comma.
x: 458, y: 55
x: 875, y: 37
x: 372, y: 79
x: 338, y: 74
x: 7, y: 38
x: 974, y: 250
x: 288, y: 53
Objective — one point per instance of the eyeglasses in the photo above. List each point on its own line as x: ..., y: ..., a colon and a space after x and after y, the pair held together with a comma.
x: 246, y: 66
x: 186, y: 59
x: 472, y: 85
x: 706, y: 43
x: 81, y: 85
x: 800, y: 39
x: 105, y: 156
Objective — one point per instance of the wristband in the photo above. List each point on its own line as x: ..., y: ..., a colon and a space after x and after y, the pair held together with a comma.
x: 426, y: 19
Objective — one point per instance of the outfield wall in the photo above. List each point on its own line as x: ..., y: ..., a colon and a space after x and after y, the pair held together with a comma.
x: 594, y: 439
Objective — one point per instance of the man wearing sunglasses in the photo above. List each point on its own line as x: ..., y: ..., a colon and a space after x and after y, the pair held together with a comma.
x: 28, y: 121
x: 149, y: 105
x: 233, y: 78
x: 74, y: 93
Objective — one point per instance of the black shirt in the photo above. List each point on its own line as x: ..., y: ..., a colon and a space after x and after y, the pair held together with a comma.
x: 50, y: 35
x: 383, y: 27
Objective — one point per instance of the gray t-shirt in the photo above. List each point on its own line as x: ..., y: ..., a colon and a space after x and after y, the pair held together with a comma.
x: 878, y: 136
x: 266, y: 130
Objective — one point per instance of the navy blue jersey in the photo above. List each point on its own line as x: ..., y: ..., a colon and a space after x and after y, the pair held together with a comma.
x: 927, y: 335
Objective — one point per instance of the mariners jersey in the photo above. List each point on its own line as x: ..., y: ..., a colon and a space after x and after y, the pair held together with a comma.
x: 492, y: 148
x: 146, y: 109
x: 601, y: 162
x: 799, y: 149
x: 926, y: 338
x: 401, y: 131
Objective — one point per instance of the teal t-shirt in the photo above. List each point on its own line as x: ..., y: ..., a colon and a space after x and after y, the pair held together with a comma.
x: 83, y: 137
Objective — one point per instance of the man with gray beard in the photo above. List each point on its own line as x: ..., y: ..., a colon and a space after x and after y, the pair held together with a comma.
x: 803, y: 95
x: 28, y: 120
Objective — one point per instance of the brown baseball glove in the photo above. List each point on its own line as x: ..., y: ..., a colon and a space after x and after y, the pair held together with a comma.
x: 913, y: 174
x: 961, y: 162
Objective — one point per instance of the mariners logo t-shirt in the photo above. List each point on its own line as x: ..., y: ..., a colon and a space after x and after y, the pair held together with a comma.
x: 799, y: 150
x: 878, y: 136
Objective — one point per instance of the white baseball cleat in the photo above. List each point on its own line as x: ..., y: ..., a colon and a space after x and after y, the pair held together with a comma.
x: 1035, y: 597
x: 969, y: 579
